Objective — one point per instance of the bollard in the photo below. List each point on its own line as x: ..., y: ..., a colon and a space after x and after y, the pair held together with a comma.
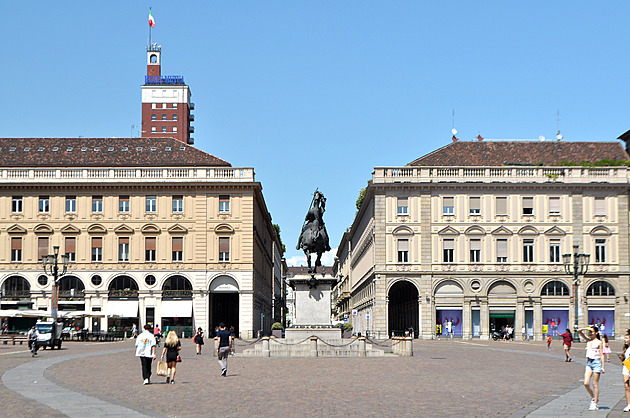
x: 125, y: 335
x: 313, y: 352
x: 361, y: 346
x: 408, y: 347
x: 183, y: 334
x: 265, y: 347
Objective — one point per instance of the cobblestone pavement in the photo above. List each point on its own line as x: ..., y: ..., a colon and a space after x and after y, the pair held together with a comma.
x: 446, y: 378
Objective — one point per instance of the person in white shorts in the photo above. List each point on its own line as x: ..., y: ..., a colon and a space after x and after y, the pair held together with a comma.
x: 625, y: 373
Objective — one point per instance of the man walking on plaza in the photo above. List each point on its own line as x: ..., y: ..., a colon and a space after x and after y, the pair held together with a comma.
x: 145, y: 349
x: 224, y: 346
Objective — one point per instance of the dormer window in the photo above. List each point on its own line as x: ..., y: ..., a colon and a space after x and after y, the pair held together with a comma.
x: 83, y: 149
x: 40, y: 149
x: 110, y: 149
x: 55, y: 149
x: 125, y: 148
x: 27, y: 149
x: 69, y: 149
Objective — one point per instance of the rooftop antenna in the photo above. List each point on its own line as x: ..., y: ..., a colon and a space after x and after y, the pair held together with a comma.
x: 132, y: 128
x: 558, y: 135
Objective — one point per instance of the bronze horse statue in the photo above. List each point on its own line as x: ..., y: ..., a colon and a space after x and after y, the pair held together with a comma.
x: 314, y: 237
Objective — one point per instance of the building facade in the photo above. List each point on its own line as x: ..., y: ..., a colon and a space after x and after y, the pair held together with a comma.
x: 473, y: 235
x: 157, y: 232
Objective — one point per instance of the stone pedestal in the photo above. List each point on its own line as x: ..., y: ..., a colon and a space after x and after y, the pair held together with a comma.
x: 312, y: 307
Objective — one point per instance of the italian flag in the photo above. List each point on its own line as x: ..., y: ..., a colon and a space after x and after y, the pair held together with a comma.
x: 151, y: 20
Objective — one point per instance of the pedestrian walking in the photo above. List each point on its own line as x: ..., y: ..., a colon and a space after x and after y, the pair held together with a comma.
x: 172, y: 345
x: 198, y: 339
x: 549, y: 342
x: 625, y: 373
x: 232, y: 335
x: 33, y: 336
x: 224, y: 346
x: 134, y: 331
x: 594, y: 363
x: 449, y: 328
x: 145, y: 349
x: 567, y: 339
x: 523, y: 333
x: 606, y: 348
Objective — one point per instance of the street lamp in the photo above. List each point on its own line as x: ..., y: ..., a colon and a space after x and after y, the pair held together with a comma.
x: 51, y: 268
x: 577, y: 268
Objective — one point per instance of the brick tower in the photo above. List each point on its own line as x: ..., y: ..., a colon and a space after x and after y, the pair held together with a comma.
x: 166, y: 106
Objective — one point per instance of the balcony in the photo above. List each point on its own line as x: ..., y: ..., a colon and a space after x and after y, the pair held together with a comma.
x: 191, y: 129
x: 123, y: 294
x: 570, y: 175
x: 191, y: 106
x: 126, y: 175
x: 191, y: 118
x: 72, y: 294
x: 16, y: 294
x: 177, y: 294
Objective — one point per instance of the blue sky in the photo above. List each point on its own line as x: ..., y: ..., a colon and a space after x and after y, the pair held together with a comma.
x: 316, y: 93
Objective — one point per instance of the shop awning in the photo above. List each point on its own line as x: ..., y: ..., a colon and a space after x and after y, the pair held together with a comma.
x: 177, y: 308
x: 122, y: 308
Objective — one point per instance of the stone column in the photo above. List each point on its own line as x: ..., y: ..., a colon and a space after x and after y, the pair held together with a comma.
x: 519, y: 320
x: 313, y: 347
x: 484, y: 320
x: 538, y: 319
x: 265, y: 347
x: 361, y: 346
x: 466, y: 321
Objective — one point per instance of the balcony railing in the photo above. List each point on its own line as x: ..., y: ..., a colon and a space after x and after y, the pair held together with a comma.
x: 572, y: 174
x: 72, y: 294
x: 123, y: 294
x: 177, y: 294
x: 16, y: 294
x: 125, y: 175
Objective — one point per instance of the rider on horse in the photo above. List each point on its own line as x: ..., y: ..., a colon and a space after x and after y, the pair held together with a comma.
x: 314, y: 237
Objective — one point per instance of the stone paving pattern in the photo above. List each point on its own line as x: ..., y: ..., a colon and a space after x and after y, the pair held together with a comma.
x: 443, y: 378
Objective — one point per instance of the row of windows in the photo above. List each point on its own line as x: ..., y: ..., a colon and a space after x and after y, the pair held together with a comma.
x: 150, y: 249
x: 153, y: 116
x: 448, y: 250
x: 124, y: 204
x: 154, y: 129
x: 164, y: 105
x: 501, y: 207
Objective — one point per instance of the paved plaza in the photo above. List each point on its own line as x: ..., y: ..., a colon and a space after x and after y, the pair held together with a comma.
x: 444, y: 378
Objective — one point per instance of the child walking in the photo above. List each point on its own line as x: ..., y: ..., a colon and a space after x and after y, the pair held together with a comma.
x: 606, y: 348
x: 548, y: 342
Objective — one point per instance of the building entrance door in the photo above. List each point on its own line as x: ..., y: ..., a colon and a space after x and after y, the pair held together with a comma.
x: 403, y: 308
x: 224, y: 308
x: 500, y: 320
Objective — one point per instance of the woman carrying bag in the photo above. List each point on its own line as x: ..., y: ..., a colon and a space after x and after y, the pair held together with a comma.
x: 172, y: 345
x: 625, y: 373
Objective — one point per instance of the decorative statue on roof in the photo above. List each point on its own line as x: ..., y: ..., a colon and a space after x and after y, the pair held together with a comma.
x: 314, y: 238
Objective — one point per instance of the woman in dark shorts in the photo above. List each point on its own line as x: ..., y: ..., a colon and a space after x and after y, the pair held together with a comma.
x: 171, y: 350
x: 198, y: 340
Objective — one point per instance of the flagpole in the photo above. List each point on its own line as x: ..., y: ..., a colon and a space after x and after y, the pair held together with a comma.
x: 149, y: 29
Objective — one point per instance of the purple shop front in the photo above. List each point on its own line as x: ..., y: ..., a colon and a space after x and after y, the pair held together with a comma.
x: 453, y: 315
x: 605, y: 319
x: 557, y: 321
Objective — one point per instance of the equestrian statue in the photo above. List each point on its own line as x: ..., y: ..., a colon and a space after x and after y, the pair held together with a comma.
x: 314, y: 238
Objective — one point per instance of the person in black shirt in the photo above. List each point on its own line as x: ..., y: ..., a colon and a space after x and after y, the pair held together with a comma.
x: 224, y: 346
x: 172, y: 345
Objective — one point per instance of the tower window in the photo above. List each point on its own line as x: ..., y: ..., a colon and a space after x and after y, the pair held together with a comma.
x: 174, y: 105
x: 163, y: 116
x: 174, y: 116
x: 174, y: 128
x: 163, y: 128
x: 153, y: 116
x: 153, y: 129
x: 153, y: 59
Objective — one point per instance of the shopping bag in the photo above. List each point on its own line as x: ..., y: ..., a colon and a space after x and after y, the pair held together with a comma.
x: 179, y: 359
x: 162, y: 368
x: 626, y: 363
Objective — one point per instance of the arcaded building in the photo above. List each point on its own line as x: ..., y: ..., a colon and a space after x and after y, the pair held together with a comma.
x: 474, y: 233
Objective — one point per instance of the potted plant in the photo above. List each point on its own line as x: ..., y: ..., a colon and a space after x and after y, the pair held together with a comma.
x: 276, y: 329
x: 346, y: 330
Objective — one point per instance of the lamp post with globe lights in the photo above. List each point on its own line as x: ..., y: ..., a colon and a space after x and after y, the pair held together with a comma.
x: 52, y: 268
x: 576, y: 267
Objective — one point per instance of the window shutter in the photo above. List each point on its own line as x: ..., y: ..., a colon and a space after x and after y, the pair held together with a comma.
x: 475, y: 244
x: 42, y: 247
x: 501, y: 248
x: 403, y: 245
x: 554, y: 205
x: 150, y: 243
x: 475, y: 204
x: 178, y: 244
x: 70, y: 245
x: 123, y: 240
x: 16, y: 243
x: 97, y: 242
x: 600, y: 206
x: 501, y: 205
x: 224, y: 245
x: 449, y: 244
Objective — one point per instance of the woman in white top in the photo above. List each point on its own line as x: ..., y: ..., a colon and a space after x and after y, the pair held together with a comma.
x: 594, y: 363
x: 624, y: 370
